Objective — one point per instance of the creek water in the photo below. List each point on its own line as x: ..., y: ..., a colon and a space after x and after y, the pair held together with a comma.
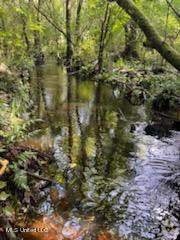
x: 125, y: 178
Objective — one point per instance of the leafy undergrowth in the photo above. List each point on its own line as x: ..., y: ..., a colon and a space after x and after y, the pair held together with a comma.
x: 17, y: 167
x: 20, y: 165
x: 139, y: 83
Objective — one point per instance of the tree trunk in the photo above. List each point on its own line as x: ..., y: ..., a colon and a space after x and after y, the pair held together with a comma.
x: 69, y: 49
x: 39, y: 55
x: 131, y: 42
x: 103, y: 34
x: 26, y: 39
x: 4, y: 43
x: 77, y: 25
x: 166, y: 51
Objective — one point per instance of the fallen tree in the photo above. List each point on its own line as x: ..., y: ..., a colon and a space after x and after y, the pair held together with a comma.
x: 153, y: 37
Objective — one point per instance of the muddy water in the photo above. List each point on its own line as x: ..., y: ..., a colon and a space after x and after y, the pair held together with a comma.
x: 127, y: 180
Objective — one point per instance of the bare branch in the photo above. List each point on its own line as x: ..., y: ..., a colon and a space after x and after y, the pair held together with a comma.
x: 40, y: 177
x: 50, y: 21
x: 173, y: 9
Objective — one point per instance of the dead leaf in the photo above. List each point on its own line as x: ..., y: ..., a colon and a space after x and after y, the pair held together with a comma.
x: 3, y: 165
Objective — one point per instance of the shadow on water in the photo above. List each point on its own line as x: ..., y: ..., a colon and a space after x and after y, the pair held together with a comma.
x: 128, y: 181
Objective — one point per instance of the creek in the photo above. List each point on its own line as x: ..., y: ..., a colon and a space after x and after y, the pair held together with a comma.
x: 127, y: 180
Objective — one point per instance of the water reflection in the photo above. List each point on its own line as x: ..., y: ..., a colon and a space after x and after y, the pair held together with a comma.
x: 89, y: 124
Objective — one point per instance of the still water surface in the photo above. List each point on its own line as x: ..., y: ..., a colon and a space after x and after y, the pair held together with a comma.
x: 122, y: 177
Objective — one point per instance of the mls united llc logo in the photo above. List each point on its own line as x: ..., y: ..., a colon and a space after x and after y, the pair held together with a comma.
x: 23, y: 230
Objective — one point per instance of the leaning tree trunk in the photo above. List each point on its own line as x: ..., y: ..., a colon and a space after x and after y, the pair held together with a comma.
x: 131, y: 43
x: 166, y: 51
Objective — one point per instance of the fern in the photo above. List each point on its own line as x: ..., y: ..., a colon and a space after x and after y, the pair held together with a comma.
x: 23, y: 157
x: 20, y: 179
x: 20, y: 175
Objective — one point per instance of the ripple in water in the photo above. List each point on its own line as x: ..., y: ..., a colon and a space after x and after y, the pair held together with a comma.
x: 151, y: 194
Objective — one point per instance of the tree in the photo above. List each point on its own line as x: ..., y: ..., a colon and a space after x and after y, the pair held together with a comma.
x: 166, y: 51
x: 77, y: 24
x: 69, y: 48
x: 131, y: 36
x: 39, y: 56
x: 103, y: 34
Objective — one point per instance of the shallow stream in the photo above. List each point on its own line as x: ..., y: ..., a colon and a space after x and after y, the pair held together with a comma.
x: 126, y: 179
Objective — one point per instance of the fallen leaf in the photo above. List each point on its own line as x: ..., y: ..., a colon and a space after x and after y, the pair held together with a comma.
x: 4, y: 163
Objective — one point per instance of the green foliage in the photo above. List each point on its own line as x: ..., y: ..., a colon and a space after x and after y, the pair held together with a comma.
x: 88, y: 50
x: 21, y: 62
x: 14, y: 121
x: 2, y: 185
x: 19, y: 174
x: 8, y: 83
x: 24, y: 156
x: 112, y: 119
x: 166, y: 95
x: 4, y: 196
x: 18, y: 29
x: 20, y: 178
x: 119, y: 63
x: 101, y: 192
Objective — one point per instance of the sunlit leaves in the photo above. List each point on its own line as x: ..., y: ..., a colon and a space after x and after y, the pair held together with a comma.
x: 20, y: 10
x: 88, y: 50
x: 36, y: 27
x: 111, y: 118
x: 90, y: 146
x: 1, y: 11
x: 4, y: 196
x: 86, y: 93
x: 75, y: 147
x: 2, y: 184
